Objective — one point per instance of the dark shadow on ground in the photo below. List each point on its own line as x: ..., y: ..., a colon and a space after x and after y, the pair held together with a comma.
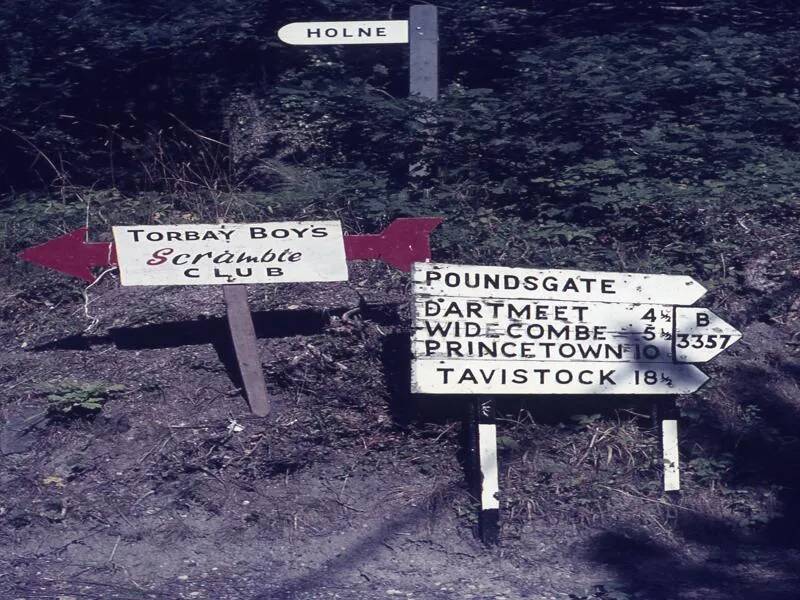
x: 407, y: 408
x: 214, y: 331
x: 267, y: 324
x: 768, y: 453
x: 653, y: 571
x: 752, y: 561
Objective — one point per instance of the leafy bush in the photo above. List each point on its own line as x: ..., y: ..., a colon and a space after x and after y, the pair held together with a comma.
x: 664, y: 147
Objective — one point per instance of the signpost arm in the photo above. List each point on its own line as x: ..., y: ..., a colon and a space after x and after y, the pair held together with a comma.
x: 423, y: 41
x: 487, y: 471
x: 243, y: 335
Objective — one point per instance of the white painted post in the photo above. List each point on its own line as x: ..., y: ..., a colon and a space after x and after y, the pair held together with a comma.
x: 487, y: 445
x: 487, y: 472
x: 669, y: 443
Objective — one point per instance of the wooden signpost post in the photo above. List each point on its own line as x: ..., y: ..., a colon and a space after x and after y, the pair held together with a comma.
x: 423, y: 64
x: 235, y: 255
x: 490, y: 331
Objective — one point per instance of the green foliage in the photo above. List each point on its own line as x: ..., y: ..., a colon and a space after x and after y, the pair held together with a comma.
x: 711, y: 470
x: 75, y: 397
x: 663, y: 149
x: 623, y: 158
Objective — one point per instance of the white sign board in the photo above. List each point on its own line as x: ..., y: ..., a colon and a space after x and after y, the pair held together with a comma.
x: 230, y: 253
x: 344, y: 32
x: 453, y: 327
x: 554, y: 284
x: 485, y: 330
x: 509, y: 329
x: 700, y: 335
x: 543, y: 378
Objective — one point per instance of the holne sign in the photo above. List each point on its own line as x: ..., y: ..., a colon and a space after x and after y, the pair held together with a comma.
x: 344, y: 32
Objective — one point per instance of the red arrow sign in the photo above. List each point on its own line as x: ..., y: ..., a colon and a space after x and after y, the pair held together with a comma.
x: 403, y: 242
x: 72, y: 254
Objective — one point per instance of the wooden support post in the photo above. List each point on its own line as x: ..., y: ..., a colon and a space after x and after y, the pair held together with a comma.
x: 243, y: 335
x: 665, y: 414
x: 423, y: 41
x: 487, y: 471
x: 423, y: 73
x: 473, y: 466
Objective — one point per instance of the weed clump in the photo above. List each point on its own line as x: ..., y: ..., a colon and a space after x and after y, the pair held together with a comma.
x: 79, y: 398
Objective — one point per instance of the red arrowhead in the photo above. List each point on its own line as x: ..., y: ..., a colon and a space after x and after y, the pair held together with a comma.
x: 402, y: 243
x: 71, y: 254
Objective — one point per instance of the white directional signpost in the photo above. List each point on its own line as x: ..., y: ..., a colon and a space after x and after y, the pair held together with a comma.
x: 420, y: 32
x: 344, y: 32
x: 233, y: 255
x: 492, y: 331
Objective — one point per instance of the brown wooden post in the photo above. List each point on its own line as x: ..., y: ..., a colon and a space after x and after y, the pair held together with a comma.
x: 243, y: 335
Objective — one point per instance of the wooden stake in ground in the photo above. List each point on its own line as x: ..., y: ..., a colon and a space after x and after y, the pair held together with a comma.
x: 243, y: 335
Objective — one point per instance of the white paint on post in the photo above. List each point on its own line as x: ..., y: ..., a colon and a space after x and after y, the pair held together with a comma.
x: 437, y: 279
x: 669, y: 442
x: 525, y: 377
x: 487, y: 450
x: 344, y: 32
x: 240, y: 253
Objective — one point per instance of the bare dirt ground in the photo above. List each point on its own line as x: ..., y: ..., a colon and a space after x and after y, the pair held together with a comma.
x: 620, y: 136
x: 352, y: 489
